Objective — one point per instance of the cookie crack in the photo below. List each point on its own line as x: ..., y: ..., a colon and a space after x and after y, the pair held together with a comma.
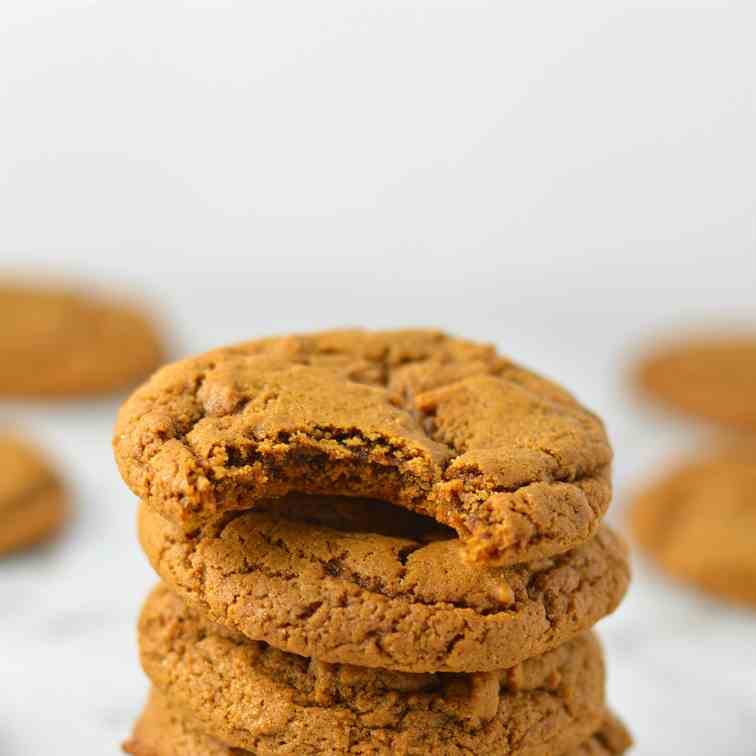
x: 334, y: 567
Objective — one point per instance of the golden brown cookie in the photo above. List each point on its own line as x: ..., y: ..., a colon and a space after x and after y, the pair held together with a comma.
x: 252, y: 696
x: 359, y: 596
x: 612, y: 739
x: 163, y: 730
x: 709, y: 377
x: 60, y: 343
x: 32, y: 499
x: 438, y: 425
x: 699, y: 522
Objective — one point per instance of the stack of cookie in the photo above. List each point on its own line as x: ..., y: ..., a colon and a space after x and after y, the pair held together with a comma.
x: 370, y: 543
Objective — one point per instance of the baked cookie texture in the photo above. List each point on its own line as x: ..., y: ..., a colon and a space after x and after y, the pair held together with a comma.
x: 165, y: 730
x: 371, y: 543
x: 711, y: 377
x: 699, y: 522
x: 438, y: 425
x: 33, y: 505
x: 252, y: 696
x: 351, y: 591
x: 59, y: 343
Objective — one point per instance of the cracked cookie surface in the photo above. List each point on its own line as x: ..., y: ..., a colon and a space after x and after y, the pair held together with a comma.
x: 438, y: 425
x: 57, y: 343
x: 364, y: 595
x: 256, y: 697
x: 164, y: 730
x: 712, y: 377
x: 699, y: 522
x: 33, y: 504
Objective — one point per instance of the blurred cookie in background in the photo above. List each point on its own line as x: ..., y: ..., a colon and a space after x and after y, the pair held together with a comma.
x: 707, y: 376
x: 698, y: 522
x: 33, y: 504
x: 56, y: 342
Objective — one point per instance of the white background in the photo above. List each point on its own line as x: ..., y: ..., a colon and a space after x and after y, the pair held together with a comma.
x: 564, y: 179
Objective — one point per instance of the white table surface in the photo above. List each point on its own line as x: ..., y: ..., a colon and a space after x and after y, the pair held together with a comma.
x: 562, y: 181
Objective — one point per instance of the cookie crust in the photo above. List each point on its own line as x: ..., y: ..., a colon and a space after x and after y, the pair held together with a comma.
x: 376, y: 600
x: 252, y: 696
x: 438, y: 425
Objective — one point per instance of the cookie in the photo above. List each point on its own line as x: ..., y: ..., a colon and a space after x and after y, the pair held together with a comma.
x: 610, y: 740
x: 57, y: 343
x: 438, y: 425
x: 32, y: 499
x: 713, y: 378
x: 359, y: 596
x: 699, y: 522
x: 252, y: 696
x: 163, y: 730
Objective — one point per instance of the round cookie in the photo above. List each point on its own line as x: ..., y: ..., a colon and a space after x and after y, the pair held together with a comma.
x: 364, y: 595
x: 438, y: 425
x: 163, y: 730
x: 709, y: 377
x: 252, y: 696
x: 32, y: 499
x: 699, y: 522
x: 57, y: 343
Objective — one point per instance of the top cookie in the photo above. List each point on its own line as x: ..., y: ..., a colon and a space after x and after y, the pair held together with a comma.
x: 438, y: 425
x: 710, y: 377
x: 58, y: 343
